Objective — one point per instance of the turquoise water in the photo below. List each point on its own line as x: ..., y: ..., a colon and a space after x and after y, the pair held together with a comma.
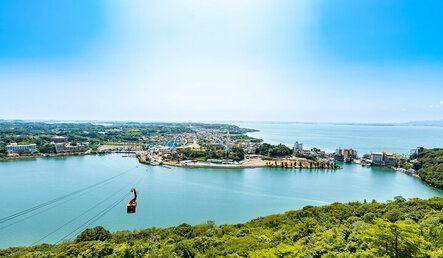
x: 363, y: 138
x: 172, y: 196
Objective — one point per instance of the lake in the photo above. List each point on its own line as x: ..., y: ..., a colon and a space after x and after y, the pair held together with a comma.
x: 364, y: 138
x: 170, y: 197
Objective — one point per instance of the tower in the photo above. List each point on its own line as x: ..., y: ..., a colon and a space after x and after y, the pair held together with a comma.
x: 228, y: 142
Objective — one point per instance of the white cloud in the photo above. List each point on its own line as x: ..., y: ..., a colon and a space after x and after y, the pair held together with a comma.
x: 441, y: 102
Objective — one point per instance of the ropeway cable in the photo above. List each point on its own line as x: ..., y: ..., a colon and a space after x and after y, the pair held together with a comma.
x: 78, y: 216
x: 85, y: 225
x: 2, y: 220
x: 99, y: 215
x: 18, y: 214
x: 51, y: 207
x: 45, y: 210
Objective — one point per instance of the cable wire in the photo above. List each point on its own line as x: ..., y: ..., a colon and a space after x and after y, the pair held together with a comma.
x: 18, y: 214
x: 78, y: 216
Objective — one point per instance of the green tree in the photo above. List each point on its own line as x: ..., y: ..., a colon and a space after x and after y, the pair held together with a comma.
x: 98, y: 233
x: 394, y: 239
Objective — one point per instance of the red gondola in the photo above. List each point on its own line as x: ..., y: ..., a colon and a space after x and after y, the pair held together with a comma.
x: 132, y: 204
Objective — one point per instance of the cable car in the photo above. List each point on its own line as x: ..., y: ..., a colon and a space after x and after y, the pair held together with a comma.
x: 132, y: 204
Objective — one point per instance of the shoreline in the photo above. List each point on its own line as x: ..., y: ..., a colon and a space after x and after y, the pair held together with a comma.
x: 43, y: 156
x: 242, y: 166
x: 55, y: 155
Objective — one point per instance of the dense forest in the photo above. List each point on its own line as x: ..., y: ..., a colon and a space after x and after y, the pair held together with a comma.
x: 398, y: 228
x: 430, y: 166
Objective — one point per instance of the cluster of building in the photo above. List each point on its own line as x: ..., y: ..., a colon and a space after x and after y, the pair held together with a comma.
x: 247, y: 146
x: 349, y: 155
x: 209, y: 137
x: 317, y: 153
x: 60, y: 143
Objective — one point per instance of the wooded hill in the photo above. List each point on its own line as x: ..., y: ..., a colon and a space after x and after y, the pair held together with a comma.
x: 399, y: 228
x: 430, y: 166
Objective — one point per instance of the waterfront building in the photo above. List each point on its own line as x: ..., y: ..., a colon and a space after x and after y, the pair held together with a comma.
x: 339, y: 155
x: 298, y: 147
x: 74, y: 148
x: 15, y: 148
x: 417, y: 150
x: 224, y: 161
x: 339, y: 152
x: 349, y: 155
x: 63, y: 147
x: 345, y: 155
x: 59, y: 147
x: 377, y: 158
x: 384, y: 159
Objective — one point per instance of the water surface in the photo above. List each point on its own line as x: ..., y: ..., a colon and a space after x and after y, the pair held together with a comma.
x: 172, y: 196
x: 363, y: 138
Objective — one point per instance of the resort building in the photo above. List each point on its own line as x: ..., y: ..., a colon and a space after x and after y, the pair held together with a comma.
x: 14, y: 148
x: 298, y: 147
x: 349, y: 155
x: 345, y: 155
x: 417, y: 150
x: 59, y: 139
x: 74, y: 148
x: 384, y: 159
x: 63, y: 147
x: 59, y: 147
x: 338, y: 155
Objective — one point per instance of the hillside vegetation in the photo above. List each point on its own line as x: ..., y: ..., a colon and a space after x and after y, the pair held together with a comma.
x: 399, y: 228
x: 430, y: 166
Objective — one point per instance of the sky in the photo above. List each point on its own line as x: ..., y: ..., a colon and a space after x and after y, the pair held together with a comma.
x: 367, y: 61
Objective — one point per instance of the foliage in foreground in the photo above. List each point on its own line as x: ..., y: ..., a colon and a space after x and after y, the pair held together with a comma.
x: 430, y: 166
x: 400, y: 228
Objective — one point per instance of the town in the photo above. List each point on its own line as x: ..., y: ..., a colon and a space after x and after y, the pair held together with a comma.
x: 184, y: 145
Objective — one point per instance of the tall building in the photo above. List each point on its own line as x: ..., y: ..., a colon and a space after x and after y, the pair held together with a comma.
x: 15, y: 148
x: 339, y: 155
x: 298, y: 147
x: 417, y: 150
x: 350, y: 153
x: 346, y: 155
x: 339, y: 152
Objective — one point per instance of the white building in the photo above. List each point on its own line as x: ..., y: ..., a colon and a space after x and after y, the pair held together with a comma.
x: 14, y: 148
x: 339, y: 152
x: 417, y: 150
x: 298, y: 147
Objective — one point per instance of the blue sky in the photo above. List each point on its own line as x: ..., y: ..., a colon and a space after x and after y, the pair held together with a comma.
x: 206, y: 60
